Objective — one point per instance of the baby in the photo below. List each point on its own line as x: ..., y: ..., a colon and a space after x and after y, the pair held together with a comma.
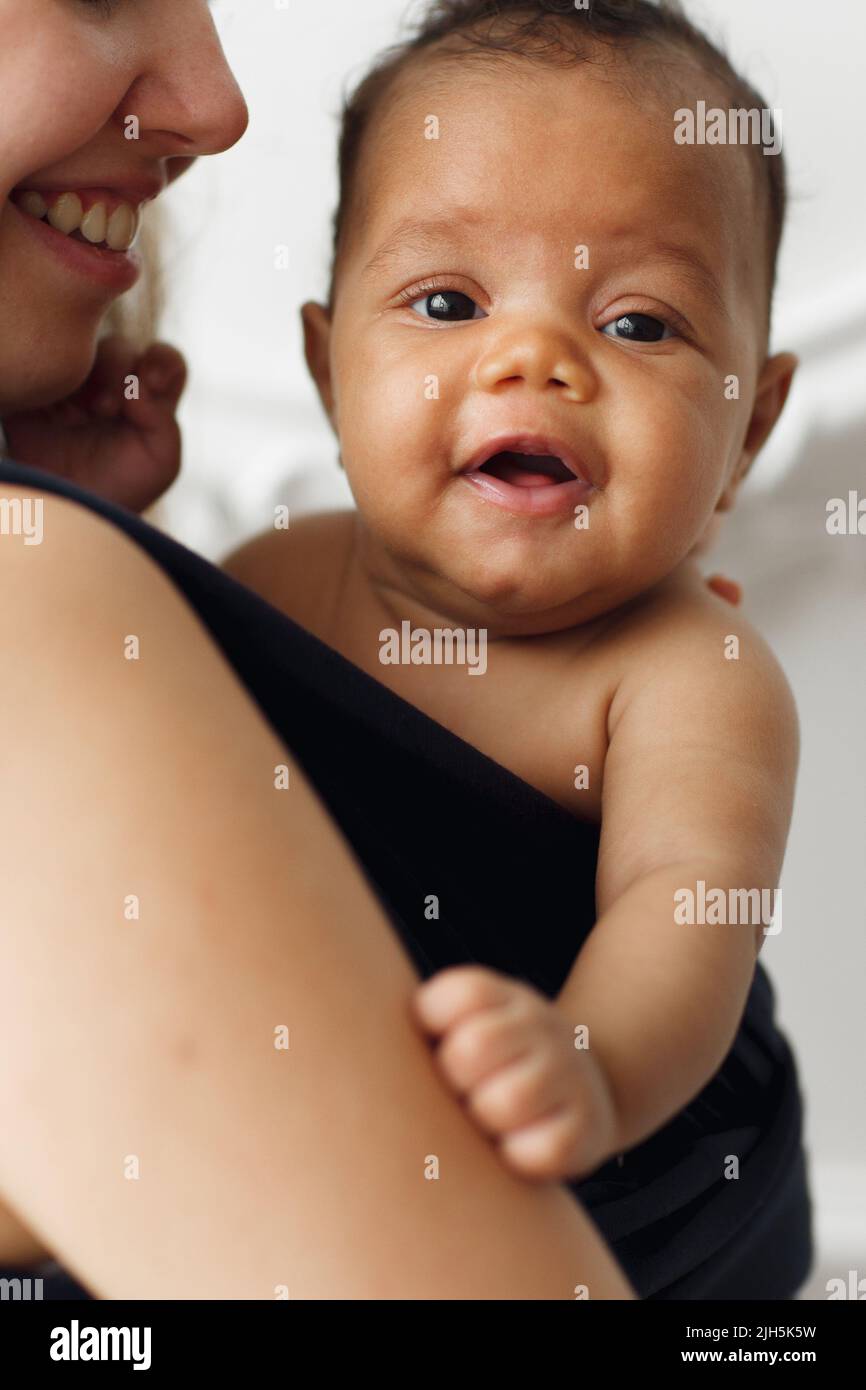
x: 545, y: 356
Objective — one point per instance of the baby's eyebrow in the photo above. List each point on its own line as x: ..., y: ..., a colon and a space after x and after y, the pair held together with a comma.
x: 694, y: 267
x: 422, y: 235
x: 426, y: 235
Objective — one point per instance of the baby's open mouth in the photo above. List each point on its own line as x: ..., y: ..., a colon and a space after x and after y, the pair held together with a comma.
x: 528, y: 470
x: 532, y: 474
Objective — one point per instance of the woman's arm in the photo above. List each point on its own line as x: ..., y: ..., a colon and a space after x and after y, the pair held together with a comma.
x: 154, y: 1136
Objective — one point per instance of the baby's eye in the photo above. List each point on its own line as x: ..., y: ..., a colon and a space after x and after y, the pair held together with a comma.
x: 638, y: 328
x: 448, y: 306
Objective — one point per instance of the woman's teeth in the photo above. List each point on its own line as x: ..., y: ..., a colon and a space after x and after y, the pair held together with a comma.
x: 66, y: 214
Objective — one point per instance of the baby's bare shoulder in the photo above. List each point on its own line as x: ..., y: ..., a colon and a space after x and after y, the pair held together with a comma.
x: 700, y: 654
x: 280, y: 565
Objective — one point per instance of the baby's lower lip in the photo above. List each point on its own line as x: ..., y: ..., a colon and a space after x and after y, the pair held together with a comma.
x: 526, y: 497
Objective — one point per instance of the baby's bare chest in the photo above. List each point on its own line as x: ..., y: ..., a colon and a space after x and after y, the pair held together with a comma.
x: 548, y: 729
x: 540, y: 713
x: 537, y: 708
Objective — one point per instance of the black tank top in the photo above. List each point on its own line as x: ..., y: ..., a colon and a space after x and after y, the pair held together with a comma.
x: 514, y: 874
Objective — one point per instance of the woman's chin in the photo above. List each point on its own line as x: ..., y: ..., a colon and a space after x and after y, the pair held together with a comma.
x: 32, y: 383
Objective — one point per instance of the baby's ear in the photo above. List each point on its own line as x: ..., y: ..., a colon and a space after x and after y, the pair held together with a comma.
x: 771, y: 392
x: 317, y: 350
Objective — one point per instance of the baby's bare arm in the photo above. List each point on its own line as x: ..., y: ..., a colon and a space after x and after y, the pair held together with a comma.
x: 698, y: 785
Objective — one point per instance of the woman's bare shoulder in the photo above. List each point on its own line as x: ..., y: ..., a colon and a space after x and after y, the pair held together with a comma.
x: 50, y: 539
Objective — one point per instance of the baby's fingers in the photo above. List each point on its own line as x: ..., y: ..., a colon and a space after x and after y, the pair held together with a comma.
x: 552, y: 1148
x: 161, y: 377
x: 163, y: 371
x: 454, y: 994
x: 727, y: 589
x: 482, y: 1043
x: 103, y: 391
x: 519, y: 1094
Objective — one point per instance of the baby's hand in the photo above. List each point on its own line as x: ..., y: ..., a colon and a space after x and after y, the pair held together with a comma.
x: 125, y: 450
x: 727, y: 589
x: 510, y: 1052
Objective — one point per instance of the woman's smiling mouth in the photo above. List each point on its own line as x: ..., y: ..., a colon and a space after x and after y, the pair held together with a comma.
x: 98, y: 219
x: 90, y: 230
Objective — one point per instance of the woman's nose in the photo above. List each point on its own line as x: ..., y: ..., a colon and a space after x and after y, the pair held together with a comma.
x: 186, y: 98
x: 542, y: 360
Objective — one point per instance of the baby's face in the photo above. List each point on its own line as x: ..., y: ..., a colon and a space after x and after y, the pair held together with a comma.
x: 487, y: 321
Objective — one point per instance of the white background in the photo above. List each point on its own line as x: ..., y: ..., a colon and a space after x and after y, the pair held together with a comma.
x: 255, y: 434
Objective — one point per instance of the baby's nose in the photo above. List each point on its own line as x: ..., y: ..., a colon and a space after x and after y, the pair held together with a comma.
x: 540, y: 360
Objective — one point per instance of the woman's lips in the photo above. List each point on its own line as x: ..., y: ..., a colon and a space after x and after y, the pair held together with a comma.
x: 88, y: 214
x: 117, y: 271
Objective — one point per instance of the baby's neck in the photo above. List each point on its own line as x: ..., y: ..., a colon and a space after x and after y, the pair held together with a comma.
x: 378, y: 592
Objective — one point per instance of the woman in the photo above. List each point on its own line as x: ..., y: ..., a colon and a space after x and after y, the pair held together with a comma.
x: 212, y: 1085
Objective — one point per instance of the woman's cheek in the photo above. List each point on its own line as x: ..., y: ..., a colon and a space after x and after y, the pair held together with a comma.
x: 33, y: 137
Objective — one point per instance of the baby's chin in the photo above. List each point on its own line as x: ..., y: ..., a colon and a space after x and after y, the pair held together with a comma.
x: 522, y: 590
x: 527, y: 608
x: 520, y: 610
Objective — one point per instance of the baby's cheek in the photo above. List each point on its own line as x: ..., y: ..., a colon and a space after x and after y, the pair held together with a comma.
x: 686, y: 457
x: 390, y: 428
x: 666, y: 471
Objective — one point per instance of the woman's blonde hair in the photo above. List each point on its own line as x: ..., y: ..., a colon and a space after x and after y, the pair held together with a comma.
x: 137, y: 315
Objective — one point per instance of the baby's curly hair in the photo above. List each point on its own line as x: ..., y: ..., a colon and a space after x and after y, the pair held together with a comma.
x: 551, y: 32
